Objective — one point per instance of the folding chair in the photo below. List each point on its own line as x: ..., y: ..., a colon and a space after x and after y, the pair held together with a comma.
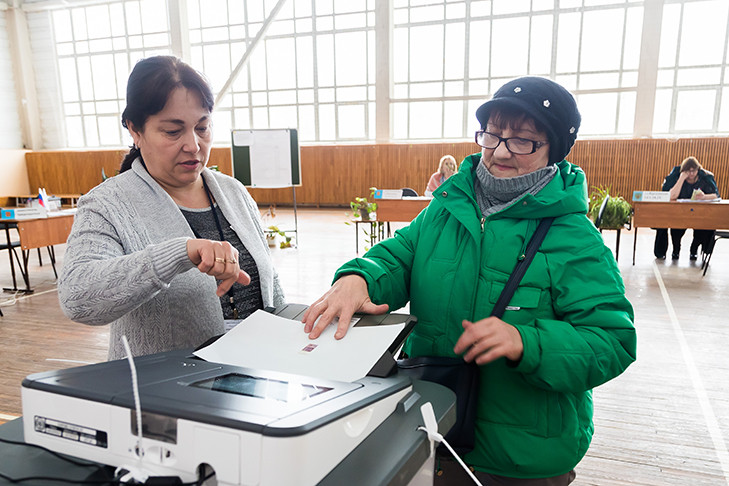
x: 706, y: 257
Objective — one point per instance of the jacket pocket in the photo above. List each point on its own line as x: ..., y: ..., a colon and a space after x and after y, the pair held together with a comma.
x: 523, y: 307
x: 524, y: 297
x: 508, y: 401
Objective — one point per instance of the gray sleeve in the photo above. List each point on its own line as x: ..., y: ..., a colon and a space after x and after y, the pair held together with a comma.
x: 100, y: 281
x: 279, y: 298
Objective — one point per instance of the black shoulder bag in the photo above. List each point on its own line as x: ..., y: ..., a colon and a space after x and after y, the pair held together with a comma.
x: 462, y: 377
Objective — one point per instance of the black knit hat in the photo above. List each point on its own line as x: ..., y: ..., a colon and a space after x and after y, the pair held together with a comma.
x: 546, y: 102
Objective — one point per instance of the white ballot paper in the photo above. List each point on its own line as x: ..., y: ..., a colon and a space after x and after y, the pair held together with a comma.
x: 268, y: 342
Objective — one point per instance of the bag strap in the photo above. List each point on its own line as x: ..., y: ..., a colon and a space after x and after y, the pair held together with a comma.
x: 521, y: 267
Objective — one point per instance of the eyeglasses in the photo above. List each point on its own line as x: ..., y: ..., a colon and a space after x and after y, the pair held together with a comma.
x: 515, y: 145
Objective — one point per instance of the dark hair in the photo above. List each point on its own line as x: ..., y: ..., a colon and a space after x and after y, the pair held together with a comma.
x: 690, y: 163
x: 149, y: 86
x: 512, y: 117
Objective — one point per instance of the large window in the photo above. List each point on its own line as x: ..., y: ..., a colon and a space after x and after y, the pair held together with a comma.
x: 314, y: 71
x: 451, y: 56
x: 96, y: 46
x: 692, y: 95
x: 636, y: 67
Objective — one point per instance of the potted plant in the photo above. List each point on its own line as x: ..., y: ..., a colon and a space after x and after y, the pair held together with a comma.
x: 274, y: 230
x: 271, y: 236
x: 362, y: 208
x: 617, y: 213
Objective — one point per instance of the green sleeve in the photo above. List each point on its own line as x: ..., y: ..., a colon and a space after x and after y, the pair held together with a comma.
x: 387, y: 266
x: 593, y: 339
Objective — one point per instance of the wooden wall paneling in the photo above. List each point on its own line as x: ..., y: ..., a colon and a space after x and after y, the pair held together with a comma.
x: 71, y: 172
x: 220, y: 156
x: 332, y: 175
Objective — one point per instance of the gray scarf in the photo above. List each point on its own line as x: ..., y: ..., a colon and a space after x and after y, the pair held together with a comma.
x: 496, y: 193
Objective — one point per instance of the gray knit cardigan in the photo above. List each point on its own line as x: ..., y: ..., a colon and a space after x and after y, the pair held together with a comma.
x: 126, y: 263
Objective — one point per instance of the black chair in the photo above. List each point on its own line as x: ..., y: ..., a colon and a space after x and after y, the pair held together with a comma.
x: 40, y: 257
x: 706, y: 257
x: 11, y: 246
x: 600, y: 214
x: 408, y: 192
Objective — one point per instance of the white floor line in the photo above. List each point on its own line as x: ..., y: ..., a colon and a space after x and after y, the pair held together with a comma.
x: 709, y: 417
x: 13, y: 300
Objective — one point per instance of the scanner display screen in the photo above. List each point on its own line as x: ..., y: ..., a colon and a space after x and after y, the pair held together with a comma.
x: 264, y: 388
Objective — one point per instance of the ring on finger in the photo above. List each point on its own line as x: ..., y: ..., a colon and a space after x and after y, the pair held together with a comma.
x: 232, y: 260
x: 219, y: 260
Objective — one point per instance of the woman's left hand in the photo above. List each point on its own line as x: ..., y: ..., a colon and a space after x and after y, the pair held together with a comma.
x: 489, y: 339
x: 218, y: 259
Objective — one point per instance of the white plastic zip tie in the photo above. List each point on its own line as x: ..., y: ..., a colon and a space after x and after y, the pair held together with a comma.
x: 135, y: 473
x: 431, y: 428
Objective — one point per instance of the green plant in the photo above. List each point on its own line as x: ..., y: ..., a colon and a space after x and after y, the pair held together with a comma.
x: 617, y: 211
x: 286, y: 242
x: 371, y: 235
x: 362, y: 207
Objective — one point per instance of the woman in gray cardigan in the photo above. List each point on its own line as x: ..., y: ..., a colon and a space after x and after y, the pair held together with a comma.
x: 167, y: 249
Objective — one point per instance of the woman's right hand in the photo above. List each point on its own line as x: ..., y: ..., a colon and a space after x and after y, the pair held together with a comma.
x: 347, y: 296
x: 218, y: 259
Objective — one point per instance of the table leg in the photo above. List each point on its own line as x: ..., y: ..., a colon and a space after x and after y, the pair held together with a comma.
x: 52, y: 256
x: 12, y: 271
x: 26, y: 276
x: 11, y: 253
x: 10, y: 256
x: 635, y: 242
x: 617, y: 245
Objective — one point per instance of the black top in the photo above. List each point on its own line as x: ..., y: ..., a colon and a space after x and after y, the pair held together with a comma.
x: 705, y: 182
x: 246, y: 298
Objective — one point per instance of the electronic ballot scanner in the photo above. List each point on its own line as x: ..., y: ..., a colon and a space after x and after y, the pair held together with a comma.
x: 299, y: 419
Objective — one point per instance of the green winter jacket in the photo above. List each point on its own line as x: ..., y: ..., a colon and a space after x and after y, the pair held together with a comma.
x: 535, y: 416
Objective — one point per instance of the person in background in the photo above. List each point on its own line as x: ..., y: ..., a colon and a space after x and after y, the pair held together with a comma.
x: 568, y: 327
x: 167, y: 249
x: 446, y: 168
x: 687, y: 181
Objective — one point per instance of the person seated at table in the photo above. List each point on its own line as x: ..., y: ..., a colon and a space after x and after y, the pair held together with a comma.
x: 446, y: 168
x: 568, y: 327
x: 168, y: 249
x: 687, y: 181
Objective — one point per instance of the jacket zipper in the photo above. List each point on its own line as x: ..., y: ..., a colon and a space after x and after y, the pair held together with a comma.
x: 480, y: 264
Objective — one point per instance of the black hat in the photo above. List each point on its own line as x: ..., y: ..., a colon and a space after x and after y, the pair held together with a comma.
x: 546, y: 102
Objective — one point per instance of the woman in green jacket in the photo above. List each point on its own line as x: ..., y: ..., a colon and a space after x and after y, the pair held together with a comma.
x: 567, y: 329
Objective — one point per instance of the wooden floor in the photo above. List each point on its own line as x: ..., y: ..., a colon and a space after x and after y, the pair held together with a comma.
x: 663, y: 422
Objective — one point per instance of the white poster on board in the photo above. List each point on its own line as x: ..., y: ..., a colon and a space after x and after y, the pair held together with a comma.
x: 271, y: 158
